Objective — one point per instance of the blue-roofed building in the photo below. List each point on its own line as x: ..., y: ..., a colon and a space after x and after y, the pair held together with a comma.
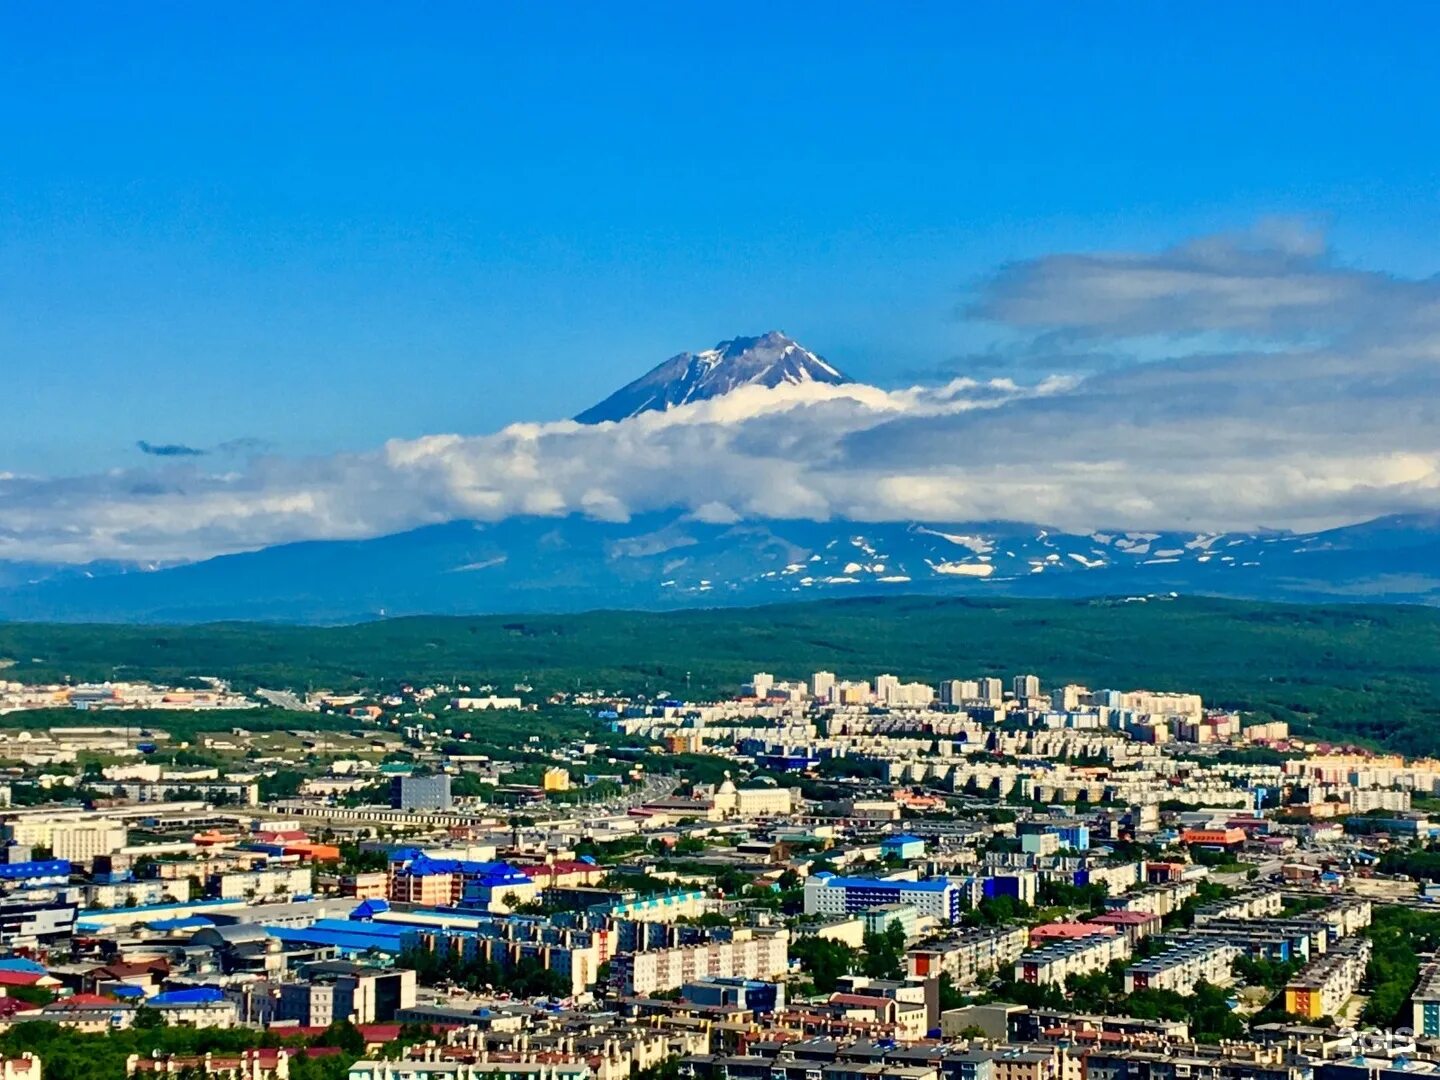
x: 179, y: 925
x: 350, y: 937
x: 758, y: 995
x: 941, y: 898
x: 191, y: 995
x: 196, y: 1006
x: 20, y: 963
x: 499, y: 887
x: 37, y: 871
x: 902, y: 846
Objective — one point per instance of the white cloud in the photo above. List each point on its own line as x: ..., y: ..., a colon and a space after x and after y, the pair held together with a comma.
x: 1279, y: 281
x: 1332, y: 416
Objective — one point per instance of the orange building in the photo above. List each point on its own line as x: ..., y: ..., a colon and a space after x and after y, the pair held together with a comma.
x: 1226, y: 838
x: 313, y: 852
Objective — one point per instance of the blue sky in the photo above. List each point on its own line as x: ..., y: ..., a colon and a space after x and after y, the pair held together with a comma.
x: 322, y: 226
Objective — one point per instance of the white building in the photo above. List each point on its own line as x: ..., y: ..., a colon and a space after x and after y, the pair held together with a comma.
x: 749, y: 955
x: 1056, y: 962
x: 258, y: 884
x: 760, y: 684
x: 1179, y: 968
x: 940, y: 898
x: 78, y: 840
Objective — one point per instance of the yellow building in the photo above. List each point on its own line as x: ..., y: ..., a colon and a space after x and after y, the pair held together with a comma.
x: 556, y: 779
x: 1323, y: 986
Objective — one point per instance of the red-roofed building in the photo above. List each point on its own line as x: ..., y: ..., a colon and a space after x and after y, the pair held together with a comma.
x: 1067, y: 931
x: 9, y: 1006
x: 24, y: 1067
x: 1133, y: 924
x: 146, y: 974
x: 215, y: 838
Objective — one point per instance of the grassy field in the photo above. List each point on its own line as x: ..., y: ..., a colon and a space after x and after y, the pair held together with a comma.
x: 1365, y: 672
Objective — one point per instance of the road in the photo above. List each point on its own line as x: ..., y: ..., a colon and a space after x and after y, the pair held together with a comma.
x: 283, y: 699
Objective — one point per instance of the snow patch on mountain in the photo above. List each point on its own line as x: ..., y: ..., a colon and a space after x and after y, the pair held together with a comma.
x: 769, y: 360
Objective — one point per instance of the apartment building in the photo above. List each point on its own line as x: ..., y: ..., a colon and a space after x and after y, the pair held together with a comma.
x: 1056, y: 962
x: 1036, y: 1063
x: 505, y: 943
x: 77, y: 840
x: 1198, y: 1063
x: 1425, y: 1002
x: 1322, y: 986
x: 334, y: 991
x: 1346, y: 916
x: 940, y: 898
x: 1251, y: 904
x: 966, y: 957
x: 416, y: 878
x: 1179, y: 968
x: 430, y: 792
x: 276, y: 881
x: 445, y: 1069
x: 1269, y: 939
x: 1162, y: 899
x: 747, y: 955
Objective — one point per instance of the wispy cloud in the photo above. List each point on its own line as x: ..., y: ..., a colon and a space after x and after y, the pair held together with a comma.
x: 1295, y: 391
x: 1278, y: 282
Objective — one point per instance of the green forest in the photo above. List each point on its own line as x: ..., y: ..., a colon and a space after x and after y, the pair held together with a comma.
x: 1370, y: 673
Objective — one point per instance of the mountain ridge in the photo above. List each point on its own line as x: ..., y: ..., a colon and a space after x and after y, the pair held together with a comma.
x: 666, y: 561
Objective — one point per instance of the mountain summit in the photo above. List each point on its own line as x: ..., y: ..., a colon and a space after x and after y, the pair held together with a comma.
x: 768, y: 360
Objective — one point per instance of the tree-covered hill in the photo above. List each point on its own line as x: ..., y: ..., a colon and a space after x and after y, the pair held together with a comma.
x: 1344, y: 671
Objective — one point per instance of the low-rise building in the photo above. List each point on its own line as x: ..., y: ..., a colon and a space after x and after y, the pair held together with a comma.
x: 966, y: 957
x: 1183, y: 965
x: 1057, y: 961
x: 1322, y: 987
x: 747, y: 955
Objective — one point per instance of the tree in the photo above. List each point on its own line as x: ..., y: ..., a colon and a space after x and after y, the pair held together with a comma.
x: 345, y: 1035
x: 950, y: 997
x: 883, y: 955
x: 825, y: 961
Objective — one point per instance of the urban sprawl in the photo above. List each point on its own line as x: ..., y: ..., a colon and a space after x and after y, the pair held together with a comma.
x: 818, y: 879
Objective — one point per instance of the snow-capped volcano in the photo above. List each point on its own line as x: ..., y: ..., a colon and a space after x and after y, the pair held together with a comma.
x: 768, y: 360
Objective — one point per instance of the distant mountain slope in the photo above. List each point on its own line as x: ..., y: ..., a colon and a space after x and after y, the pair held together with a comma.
x: 768, y: 360
x: 669, y: 561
